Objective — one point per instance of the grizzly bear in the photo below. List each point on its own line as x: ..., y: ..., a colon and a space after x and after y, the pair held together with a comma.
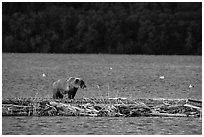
x: 68, y: 86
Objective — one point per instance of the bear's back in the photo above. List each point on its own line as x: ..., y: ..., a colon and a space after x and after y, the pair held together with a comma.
x: 62, y: 84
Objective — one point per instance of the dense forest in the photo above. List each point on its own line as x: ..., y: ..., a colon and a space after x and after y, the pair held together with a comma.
x: 94, y: 27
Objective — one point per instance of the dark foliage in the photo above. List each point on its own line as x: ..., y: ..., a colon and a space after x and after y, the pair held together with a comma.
x: 130, y: 28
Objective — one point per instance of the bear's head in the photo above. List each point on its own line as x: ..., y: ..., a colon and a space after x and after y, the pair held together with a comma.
x: 78, y: 82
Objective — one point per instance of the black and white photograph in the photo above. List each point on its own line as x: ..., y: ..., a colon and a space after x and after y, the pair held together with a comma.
x: 101, y: 68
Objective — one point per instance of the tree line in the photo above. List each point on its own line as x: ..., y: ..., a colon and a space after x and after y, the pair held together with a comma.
x: 118, y: 28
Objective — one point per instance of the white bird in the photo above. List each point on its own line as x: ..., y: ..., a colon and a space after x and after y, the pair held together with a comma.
x: 161, y: 77
x: 43, y: 75
x: 190, y: 86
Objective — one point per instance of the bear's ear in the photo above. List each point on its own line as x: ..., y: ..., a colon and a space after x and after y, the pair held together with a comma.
x: 76, y: 80
x: 76, y: 83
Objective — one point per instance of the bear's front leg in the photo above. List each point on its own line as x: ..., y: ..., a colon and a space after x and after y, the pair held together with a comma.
x: 57, y: 94
x: 70, y: 96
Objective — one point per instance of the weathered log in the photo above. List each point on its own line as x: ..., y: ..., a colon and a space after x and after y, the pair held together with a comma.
x: 87, y: 114
x: 109, y: 107
x: 194, y: 107
x: 167, y: 115
x: 16, y: 110
x: 194, y: 102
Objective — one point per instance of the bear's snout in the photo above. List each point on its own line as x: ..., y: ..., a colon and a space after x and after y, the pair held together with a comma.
x: 83, y: 86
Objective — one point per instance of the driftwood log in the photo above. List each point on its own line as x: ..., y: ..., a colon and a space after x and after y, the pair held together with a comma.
x: 112, y: 107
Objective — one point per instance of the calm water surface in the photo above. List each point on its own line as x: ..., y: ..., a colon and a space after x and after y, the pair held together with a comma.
x: 100, y: 125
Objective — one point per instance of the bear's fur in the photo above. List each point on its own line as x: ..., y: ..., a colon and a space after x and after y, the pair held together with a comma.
x: 65, y: 86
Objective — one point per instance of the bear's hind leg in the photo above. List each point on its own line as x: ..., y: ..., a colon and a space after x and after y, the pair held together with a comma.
x: 57, y: 95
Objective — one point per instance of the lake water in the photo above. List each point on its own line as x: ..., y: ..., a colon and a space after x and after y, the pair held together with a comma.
x: 100, y: 125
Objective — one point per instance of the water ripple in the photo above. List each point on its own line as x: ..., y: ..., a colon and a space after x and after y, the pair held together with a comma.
x: 100, y: 125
